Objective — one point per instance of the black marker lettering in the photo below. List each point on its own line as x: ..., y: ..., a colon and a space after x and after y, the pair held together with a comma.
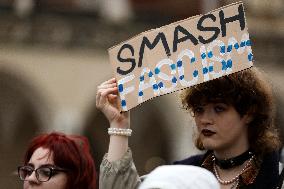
x: 186, y: 37
x: 130, y: 60
x: 216, y: 30
x: 145, y: 42
x: 224, y: 21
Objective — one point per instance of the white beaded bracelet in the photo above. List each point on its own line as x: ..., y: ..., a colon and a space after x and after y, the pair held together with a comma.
x: 119, y: 131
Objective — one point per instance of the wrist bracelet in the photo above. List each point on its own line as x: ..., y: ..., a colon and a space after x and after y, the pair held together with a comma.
x: 119, y: 131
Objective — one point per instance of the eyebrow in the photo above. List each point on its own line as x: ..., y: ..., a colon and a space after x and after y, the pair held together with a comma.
x: 30, y: 164
x: 47, y: 165
x: 43, y: 165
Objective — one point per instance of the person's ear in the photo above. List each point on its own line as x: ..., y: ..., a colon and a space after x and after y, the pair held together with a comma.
x: 248, y: 118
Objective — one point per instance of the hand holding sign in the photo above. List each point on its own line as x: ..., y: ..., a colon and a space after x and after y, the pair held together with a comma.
x: 107, y: 102
x: 181, y: 55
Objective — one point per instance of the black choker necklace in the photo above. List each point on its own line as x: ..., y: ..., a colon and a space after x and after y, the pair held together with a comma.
x: 233, y: 162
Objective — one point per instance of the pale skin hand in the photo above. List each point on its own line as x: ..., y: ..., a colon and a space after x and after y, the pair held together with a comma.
x: 107, y: 101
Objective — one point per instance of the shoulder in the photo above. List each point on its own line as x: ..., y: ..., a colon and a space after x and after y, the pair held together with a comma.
x: 269, y: 171
x: 270, y: 162
x: 192, y: 160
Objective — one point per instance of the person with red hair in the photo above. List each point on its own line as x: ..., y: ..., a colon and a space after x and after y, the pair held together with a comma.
x: 58, y: 161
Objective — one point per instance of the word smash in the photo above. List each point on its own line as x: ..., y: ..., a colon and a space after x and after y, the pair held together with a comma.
x: 162, y: 83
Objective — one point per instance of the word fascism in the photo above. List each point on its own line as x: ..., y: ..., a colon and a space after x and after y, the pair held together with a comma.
x: 217, y: 59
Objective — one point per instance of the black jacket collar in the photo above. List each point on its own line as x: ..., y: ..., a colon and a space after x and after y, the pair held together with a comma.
x: 267, y: 177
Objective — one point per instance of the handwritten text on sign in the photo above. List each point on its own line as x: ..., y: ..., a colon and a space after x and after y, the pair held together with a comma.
x: 181, y: 54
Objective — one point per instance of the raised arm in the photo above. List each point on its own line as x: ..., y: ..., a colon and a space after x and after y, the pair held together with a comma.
x: 107, y: 101
x: 117, y: 170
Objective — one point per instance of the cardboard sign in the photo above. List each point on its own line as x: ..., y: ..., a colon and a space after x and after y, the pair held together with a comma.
x: 181, y: 55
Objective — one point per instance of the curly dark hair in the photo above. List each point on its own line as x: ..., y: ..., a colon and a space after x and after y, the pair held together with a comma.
x: 249, y: 93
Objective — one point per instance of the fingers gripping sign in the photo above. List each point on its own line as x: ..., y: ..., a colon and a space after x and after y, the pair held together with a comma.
x: 107, y: 101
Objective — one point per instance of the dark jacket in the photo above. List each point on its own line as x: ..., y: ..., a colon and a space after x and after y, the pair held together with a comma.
x: 267, y: 177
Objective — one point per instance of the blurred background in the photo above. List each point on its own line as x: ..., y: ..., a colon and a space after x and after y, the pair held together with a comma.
x: 53, y: 54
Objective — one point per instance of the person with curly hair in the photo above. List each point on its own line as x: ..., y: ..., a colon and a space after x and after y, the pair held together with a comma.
x: 234, y: 117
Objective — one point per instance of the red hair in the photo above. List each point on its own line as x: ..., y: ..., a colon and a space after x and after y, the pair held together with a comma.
x: 70, y: 152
